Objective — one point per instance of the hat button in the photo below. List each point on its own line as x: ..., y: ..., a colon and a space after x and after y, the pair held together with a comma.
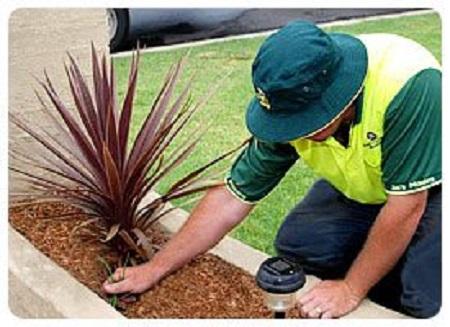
x: 306, y: 89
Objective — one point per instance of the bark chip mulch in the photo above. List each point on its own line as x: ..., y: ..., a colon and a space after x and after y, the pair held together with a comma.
x: 208, y: 287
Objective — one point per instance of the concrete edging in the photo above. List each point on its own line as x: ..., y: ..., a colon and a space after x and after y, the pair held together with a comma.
x: 39, y: 288
x: 31, y: 273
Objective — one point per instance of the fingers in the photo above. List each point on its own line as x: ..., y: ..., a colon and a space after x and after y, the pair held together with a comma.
x: 317, y: 309
x: 316, y: 303
x: 327, y: 315
x: 119, y: 274
x: 117, y: 283
x: 308, y: 303
x: 307, y: 297
x: 314, y: 313
x: 328, y: 299
x: 116, y: 288
x: 129, y: 279
x: 312, y: 308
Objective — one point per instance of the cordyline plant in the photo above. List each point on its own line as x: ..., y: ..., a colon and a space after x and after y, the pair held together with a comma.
x: 89, y: 164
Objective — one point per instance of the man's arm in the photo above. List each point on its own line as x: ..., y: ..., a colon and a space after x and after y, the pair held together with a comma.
x: 388, y: 238
x: 255, y: 172
x: 215, y: 215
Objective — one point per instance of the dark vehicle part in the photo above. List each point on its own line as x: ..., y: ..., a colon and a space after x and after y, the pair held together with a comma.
x: 118, y: 25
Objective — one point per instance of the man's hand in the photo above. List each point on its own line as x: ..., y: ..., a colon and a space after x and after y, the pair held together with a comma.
x: 329, y: 299
x: 131, y: 279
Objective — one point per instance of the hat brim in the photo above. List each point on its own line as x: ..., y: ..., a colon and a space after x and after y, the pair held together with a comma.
x: 273, y: 126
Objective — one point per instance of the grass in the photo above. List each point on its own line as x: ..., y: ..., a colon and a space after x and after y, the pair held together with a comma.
x: 227, y: 109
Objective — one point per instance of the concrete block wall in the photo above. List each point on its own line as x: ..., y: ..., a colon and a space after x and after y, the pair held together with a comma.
x: 40, y: 39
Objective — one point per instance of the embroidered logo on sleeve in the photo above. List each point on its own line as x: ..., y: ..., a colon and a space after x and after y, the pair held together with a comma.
x: 414, y: 185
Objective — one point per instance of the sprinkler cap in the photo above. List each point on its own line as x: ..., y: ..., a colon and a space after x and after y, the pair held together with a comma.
x: 280, y: 276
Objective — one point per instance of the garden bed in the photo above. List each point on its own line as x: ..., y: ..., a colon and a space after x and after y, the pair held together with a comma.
x: 40, y: 288
x: 208, y: 287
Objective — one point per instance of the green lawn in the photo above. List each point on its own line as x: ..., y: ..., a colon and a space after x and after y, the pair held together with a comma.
x: 226, y: 109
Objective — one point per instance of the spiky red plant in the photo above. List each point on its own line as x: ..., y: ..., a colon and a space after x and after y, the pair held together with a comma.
x: 88, y: 163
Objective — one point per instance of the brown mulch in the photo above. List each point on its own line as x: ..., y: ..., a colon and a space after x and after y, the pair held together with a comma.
x: 208, y: 287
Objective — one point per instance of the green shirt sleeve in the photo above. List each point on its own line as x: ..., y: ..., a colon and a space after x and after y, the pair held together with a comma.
x: 259, y: 168
x: 412, y: 142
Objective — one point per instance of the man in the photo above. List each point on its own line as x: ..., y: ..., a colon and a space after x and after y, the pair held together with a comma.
x: 365, y: 114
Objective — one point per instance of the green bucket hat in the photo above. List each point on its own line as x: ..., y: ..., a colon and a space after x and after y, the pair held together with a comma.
x: 303, y: 79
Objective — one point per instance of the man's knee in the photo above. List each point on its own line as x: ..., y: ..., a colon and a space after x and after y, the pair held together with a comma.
x: 422, y: 273
x: 302, y: 241
x: 292, y: 239
x: 420, y: 305
x: 422, y: 292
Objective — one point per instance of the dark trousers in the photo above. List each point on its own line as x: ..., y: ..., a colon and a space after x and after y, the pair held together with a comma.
x: 326, y: 231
